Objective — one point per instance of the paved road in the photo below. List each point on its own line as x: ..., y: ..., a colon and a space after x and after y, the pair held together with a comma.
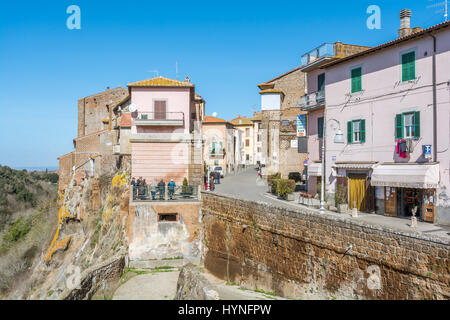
x: 158, y: 286
x: 247, y: 185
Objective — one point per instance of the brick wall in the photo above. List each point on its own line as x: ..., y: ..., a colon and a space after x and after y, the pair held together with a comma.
x: 66, y: 163
x: 299, y: 253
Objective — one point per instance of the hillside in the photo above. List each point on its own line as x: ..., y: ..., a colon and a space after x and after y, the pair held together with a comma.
x: 27, y: 219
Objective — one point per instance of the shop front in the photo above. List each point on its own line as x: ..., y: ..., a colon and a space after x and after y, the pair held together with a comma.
x: 406, y: 190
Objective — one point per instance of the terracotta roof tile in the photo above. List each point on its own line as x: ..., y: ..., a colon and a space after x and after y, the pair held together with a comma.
x: 160, y: 82
x: 210, y: 119
x: 125, y: 120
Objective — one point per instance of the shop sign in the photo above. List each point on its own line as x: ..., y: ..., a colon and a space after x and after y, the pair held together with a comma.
x: 301, y: 125
x: 427, y: 152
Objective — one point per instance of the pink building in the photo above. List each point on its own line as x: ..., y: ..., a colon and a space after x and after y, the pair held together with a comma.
x: 164, y: 114
x: 392, y: 103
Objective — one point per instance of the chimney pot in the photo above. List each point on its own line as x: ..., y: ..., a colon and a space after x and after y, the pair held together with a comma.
x: 405, y: 23
x: 187, y: 79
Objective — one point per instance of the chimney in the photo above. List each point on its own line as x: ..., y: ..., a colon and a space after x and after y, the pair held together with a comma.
x: 187, y: 79
x: 405, y: 23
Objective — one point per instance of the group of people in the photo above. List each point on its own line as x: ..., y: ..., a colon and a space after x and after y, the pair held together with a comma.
x: 140, y: 189
x: 214, y: 178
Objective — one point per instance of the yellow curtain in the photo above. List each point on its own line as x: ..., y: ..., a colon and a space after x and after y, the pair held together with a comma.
x: 357, y: 192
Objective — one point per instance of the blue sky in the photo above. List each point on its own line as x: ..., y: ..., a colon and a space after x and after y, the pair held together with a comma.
x: 226, y: 48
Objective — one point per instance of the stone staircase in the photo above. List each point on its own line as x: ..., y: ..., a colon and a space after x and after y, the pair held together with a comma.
x: 152, y: 264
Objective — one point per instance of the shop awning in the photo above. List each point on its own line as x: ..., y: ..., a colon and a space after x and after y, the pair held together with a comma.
x: 421, y: 176
x: 315, y: 169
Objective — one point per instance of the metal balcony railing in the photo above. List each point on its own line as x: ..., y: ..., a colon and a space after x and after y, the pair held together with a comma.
x: 180, y: 193
x: 312, y: 100
x: 160, y: 116
x: 325, y: 50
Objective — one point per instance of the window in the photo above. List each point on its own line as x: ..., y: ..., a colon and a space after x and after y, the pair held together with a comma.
x: 259, y: 137
x: 259, y: 149
x: 247, y: 143
x: 247, y: 157
x: 408, y: 66
x: 321, y: 82
x: 356, y: 80
x: 247, y: 132
x: 407, y: 125
x: 320, y: 127
x: 285, y: 122
x: 167, y: 217
x: 160, y: 109
x: 356, y: 131
x: 260, y: 125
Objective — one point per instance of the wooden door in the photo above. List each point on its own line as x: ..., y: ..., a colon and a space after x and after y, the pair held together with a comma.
x: 160, y: 110
x: 428, y: 205
x: 390, y: 201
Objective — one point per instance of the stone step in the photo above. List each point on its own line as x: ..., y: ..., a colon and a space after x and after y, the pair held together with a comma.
x: 151, y: 264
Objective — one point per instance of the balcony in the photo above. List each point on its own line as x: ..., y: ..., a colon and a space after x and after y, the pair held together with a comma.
x: 312, y: 101
x: 154, y: 119
x: 318, y: 56
x: 216, y: 153
x: 179, y: 193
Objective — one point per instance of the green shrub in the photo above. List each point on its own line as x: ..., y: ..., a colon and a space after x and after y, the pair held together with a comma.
x: 296, y: 176
x: 18, y: 230
x: 276, y: 176
x: 341, y: 195
x: 285, y: 187
x: 274, y: 185
x: 185, y: 187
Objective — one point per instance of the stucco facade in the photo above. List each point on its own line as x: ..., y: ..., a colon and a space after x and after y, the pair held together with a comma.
x: 385, y: 95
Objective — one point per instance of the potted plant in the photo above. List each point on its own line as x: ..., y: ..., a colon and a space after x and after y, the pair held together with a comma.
x: 285, y: 189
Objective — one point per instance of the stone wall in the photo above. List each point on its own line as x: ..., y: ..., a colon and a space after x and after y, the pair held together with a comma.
x: 296, y: 253
x: 66, y: 162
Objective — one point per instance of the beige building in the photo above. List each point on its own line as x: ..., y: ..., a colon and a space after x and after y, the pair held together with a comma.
x: 257, y: 139
x: 219, y: 144
x: 246, y: 127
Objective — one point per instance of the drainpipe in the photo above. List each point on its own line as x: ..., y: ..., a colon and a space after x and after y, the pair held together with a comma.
x: 434, y: 101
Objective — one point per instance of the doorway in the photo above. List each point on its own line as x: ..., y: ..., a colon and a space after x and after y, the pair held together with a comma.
x: 357, y: 191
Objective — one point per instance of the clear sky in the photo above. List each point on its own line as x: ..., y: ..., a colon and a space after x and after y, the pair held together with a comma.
x: 226, y: 48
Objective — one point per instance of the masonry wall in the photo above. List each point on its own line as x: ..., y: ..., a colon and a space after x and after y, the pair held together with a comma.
x: 66, y: 163
x: 301, y: 253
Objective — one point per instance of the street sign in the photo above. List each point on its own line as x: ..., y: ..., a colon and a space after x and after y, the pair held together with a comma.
x: 305, y: 163
x: 427, y: 151
x: 301, y: 125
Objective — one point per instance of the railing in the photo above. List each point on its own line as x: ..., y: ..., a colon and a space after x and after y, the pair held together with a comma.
x: 160, y: 116
x: 180, y: 193
x: 325, y: 50
x: 216, y: 152
x: 312, y: 100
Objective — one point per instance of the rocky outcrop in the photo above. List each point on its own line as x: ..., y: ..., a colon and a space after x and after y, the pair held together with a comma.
x: 192, y: 285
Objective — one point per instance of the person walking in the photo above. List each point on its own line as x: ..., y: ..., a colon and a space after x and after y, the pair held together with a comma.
x: 162, y: 189
x: 211, y: 181
x: 171, y: 188
x: 133, y: 183
x: 153, y: 189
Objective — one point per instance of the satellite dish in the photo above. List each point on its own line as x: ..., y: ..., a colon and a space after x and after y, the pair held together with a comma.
x: 214, y: 114
x: 132, y: 107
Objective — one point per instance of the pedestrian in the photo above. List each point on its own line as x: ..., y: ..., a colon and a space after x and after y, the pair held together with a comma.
x: 153, y: 189
x: 171, y: 188
x: 133, y: 183
x: 211, y: 181
x: 162, y: 189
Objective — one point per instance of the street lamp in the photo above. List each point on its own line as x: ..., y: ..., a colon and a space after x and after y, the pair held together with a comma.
x: 338, y: 138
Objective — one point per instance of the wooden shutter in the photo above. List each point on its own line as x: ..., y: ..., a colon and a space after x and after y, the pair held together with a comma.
x: 417, y: 124
x: 320, y: 127
x: 399, y: 128
x: 408, y: 66
x: 160, y: 110
x: 356, y: 80
x: 362, y: 129
x: 349, y: 132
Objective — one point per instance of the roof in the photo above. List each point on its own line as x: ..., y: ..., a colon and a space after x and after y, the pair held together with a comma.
x: 391, y: 43
x: 241, y: 121
x: 264, y: 85
x: 257, y: 116
x: 125, y: 99
x: 271, y: 91
x: 160, y: 82
x: 125, y: 120
x: 211, y: 119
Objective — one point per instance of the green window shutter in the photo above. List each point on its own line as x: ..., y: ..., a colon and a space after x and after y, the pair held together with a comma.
x: 320, y: 127
x: 213, y: 148
x: 409, y: 66
x: 417, y: 124
x: 399, y: 126
x: 362, y: 128
x: 349, y: 132
x: 356, y: 80
x: 321, y: 82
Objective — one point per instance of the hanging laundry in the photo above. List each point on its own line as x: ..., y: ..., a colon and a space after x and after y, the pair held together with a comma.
x: 402, y: 148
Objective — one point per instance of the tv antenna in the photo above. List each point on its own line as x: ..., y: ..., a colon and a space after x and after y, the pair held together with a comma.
x: 156, y: 72
x: 176, y: 70
x: 441, y: 4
